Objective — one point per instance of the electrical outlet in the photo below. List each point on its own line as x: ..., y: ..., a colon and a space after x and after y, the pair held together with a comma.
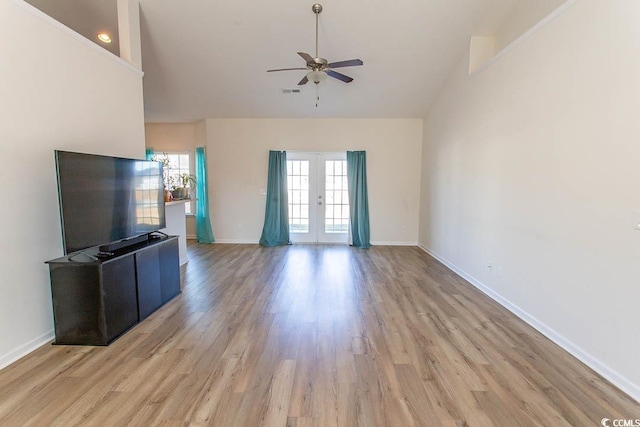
x: 500, y: 271
x: 636, y: 219
x: 490, y: 266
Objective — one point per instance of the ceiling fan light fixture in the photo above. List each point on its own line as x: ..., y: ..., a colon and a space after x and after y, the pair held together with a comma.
x: 317, y: 76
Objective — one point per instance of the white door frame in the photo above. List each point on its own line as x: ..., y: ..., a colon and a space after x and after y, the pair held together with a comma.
x: 317, y: 196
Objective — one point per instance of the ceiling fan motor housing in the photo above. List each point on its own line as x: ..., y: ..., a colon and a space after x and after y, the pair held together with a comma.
x: 320, y: 64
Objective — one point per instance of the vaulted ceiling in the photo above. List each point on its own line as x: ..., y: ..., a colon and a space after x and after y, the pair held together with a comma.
x: 208, y: 59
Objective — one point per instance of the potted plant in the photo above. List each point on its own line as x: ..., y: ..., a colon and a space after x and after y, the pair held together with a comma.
x: 167, y: 178
x: 188, y: 182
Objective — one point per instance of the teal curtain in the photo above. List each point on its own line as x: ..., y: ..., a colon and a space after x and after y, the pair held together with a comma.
x: 358, y: 198
x: 149, y: 153
x: 204, y: 233
x: 276, y: 217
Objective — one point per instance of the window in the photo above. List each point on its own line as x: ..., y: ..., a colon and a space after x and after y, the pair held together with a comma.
x: 298, y: 189
x: 336, y: 196
x: 176, y: 166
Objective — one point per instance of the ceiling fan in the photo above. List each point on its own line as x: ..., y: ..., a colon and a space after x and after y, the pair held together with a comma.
x: 320, y: 68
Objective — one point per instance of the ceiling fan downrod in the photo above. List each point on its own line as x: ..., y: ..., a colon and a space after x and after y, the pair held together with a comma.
x: 317, y: 8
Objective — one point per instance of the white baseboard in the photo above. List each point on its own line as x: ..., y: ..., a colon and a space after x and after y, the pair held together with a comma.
x: 26, y: 348
x: 228, y: 241
x: 392, y: 243
x: 375, y: 243
x: 237, y: 241
x: 633, y: 390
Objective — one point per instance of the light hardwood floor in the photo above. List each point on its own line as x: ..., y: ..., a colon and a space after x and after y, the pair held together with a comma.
x: 314, y: 336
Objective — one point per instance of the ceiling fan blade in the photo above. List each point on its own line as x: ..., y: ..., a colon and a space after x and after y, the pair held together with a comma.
x: 339, y: 76
x: 308, y: 58
x: 304, y: 81
x: 349, y: 63
x: 286, y: 69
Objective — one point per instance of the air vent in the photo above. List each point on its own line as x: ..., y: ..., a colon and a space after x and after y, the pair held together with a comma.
x: 290, y: 90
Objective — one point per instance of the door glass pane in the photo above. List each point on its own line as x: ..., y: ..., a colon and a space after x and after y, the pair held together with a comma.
x: 298, y: 189
x: 337, y: 204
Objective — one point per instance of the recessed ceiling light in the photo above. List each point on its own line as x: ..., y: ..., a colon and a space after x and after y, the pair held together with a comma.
x: 104, y: 37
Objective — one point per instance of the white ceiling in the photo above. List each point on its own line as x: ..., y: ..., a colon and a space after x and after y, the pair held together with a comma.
x: 208, y: 58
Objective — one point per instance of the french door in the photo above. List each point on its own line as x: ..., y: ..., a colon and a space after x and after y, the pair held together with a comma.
x: 318, y: 197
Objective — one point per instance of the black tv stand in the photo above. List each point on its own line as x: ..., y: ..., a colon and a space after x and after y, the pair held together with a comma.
x: 124, y: 243
x: 96, y: 298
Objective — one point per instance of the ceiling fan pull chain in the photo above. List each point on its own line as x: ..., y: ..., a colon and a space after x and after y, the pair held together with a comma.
x: 317, y: 94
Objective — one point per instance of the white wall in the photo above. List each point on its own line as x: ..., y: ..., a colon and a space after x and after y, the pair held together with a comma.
x: 533, y: 165
x: 57, y: 92
x: 525, y: 15
x: 237, y: 155
x: 171, y: 136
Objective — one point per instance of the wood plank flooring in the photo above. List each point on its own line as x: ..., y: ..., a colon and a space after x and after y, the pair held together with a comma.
x: 311, y: 335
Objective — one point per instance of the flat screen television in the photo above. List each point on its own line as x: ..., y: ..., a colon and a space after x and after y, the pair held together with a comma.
x: 107, y: 199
